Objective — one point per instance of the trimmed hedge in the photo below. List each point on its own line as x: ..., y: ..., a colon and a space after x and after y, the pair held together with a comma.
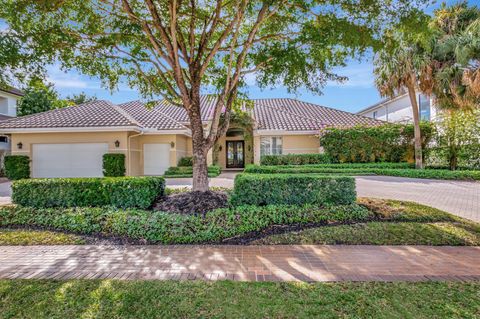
x: 295, y: 159
x: 186, y: 161
x: 166, y: 228
x: 289, y: 189
x: 121, y: 192
x: 113, y: 165
x: 185, y: 171
x: 321, y: 167
x: 352, y: 171
x: 17, y: 166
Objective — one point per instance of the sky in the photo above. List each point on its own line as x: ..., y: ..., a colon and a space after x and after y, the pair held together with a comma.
x: 353, y: 95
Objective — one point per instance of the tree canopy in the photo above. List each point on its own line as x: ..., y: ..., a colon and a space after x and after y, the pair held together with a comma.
x: 39, y: 97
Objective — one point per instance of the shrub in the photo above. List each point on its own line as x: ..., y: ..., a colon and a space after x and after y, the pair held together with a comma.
x: 186, y: 161
x: 113, y: 165
x: 295, y: 159
x: 70, y: 192
x: 386, y: 143
x: 252, y: 189
x: 166, y: 228
x: 321, y: 168
x: 185, y: 171
x: 17, y: 167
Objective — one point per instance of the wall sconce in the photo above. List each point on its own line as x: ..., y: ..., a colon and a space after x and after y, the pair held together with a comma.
x: 19, y: 145
x: 117, y: 143
x: 172, y: 144
x: 220, y: 148
x: 249, y: 148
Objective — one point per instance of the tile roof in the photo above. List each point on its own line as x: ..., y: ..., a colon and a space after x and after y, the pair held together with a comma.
x: 93, y: 114
x: 269, y: 114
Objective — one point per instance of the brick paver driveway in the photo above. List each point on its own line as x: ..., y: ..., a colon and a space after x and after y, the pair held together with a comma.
x: 252, y: 263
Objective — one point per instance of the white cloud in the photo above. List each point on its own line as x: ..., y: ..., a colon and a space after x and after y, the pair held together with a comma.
x: 360, y: 76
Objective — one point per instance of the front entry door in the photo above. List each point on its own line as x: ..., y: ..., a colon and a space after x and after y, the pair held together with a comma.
x: 235, y: 154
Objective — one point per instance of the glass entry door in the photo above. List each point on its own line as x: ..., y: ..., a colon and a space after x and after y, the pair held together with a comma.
x: 235, y: 154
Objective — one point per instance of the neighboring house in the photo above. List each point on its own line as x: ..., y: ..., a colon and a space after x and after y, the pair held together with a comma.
x: 70, y: 142
x: 8, y: 109
x: 399, y: 109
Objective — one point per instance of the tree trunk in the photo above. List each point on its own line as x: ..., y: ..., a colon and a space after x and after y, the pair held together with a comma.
x: 200, y: 169
x: 416, y: 126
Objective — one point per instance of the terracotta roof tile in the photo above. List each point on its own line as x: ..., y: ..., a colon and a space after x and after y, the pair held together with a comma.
x: 150, y: 118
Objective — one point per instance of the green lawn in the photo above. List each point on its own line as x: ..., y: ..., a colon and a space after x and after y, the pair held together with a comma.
x: 226, y: 299
x: 25, y: 237
x: 399, y: 223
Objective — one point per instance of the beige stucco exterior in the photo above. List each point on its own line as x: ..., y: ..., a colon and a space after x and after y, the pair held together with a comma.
x: 180, y: 145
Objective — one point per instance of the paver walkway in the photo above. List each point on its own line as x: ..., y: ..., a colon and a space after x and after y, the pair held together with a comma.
x: 252, y: 263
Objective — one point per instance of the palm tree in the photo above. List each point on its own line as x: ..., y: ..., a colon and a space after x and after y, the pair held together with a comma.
x: 399, y: 67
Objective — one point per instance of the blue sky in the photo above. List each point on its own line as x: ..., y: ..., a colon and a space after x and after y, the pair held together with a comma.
x: 353, y: 95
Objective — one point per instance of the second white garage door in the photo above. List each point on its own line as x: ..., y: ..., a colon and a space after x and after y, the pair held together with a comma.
x: 68, y: 160
x: 156, y: 158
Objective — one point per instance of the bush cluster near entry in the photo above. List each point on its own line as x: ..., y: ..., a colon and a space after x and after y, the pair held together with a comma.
x: 17, y: 167
x: 167, y: 228
x: 295, y: 159
x: 113, y: 165
x: 121, y: 192
x: 186, y: 161
x: 293, y: 189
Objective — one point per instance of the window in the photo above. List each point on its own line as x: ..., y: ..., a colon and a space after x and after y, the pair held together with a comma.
x: 375, y: 114
x: 424, y: 106
x: 271, y: 145
x: 3, y: 139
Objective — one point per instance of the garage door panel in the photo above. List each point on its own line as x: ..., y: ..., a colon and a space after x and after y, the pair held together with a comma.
x: 68, y: 160
x: 156, y: 158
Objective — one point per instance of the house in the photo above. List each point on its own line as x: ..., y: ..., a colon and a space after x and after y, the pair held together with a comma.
x: 70, y: 142
x: 399, y: 109
x: 8, y: 109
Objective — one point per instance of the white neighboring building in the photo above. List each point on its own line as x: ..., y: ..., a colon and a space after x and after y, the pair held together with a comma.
x: 399, y: 109
x: 8, y: 109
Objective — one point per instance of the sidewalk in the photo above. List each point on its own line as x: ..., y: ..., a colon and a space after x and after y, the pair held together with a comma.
x: 244, y: 263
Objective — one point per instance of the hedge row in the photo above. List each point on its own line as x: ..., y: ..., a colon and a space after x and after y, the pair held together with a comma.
x: 121, y: 192
x: 407, y: 172
x: 295, y: 159
x: 289, y: 189
x: 185, y: 171
x: 166, y: 228
x: 113, y: 165
x: 17, y: 166
x: 312, y: 168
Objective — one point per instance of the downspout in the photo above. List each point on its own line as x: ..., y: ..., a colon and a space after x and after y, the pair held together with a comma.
x: 129, y: 171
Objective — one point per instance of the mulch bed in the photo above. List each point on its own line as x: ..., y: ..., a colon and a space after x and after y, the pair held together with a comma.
x: 192, y: 203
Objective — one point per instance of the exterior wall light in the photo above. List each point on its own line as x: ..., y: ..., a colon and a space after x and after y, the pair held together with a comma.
x: 20, y: 145
x: 172, y: 144
x: 117, y: 143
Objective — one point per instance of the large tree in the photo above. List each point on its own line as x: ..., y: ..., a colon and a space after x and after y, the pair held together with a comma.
x: 39, y: 97
x: 181, y: 48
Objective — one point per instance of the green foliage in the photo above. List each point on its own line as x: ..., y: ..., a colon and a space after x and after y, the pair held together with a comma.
x: 187, y: 171
x: 70, y: 192
x: 295, y: 159
x: 261, y: 169
x: 252, y: 189
x: 80, y: 98
x: 359, y: 170
x: 166, y: 228
x: 386, y: 143
x: 39, y: 97
x: 17, y: 166
x: 186, y: 161
x: 113, y: 165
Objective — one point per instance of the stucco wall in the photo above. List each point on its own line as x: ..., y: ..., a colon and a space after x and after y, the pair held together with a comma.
x: 291, y: 144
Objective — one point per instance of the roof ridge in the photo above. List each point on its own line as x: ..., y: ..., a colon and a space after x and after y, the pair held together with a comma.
x: 125, y: 114
x: 156, y: 110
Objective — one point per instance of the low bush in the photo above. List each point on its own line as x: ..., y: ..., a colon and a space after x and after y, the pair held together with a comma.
x: 166, y: 228
x: 186, y: 161
x: 113, y: 165
x: 353, y: 171
x: 17, y: 166
x: 321, y: 167
x: 290, y: 189
x: 185, y: 171
x: 121, y: 192
x: 295, y: 159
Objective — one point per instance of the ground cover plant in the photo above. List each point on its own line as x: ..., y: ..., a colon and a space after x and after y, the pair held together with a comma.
x: 295, y: 159
x: 25, y: 237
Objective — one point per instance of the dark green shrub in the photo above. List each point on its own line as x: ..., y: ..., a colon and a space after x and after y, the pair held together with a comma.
x: 289, y: 189
x: 295, y: 159
x: 185, y: 171
x: 70, y: 192
x: 113, y: 165
x: 186, y: 161
x: 322, y: 168
x: 165, y: 228
x: 17, y: 167
x: 386, y: 143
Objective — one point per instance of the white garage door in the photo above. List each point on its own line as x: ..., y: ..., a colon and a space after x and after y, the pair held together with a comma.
x: 156, y: 158
x: 68, y: 160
